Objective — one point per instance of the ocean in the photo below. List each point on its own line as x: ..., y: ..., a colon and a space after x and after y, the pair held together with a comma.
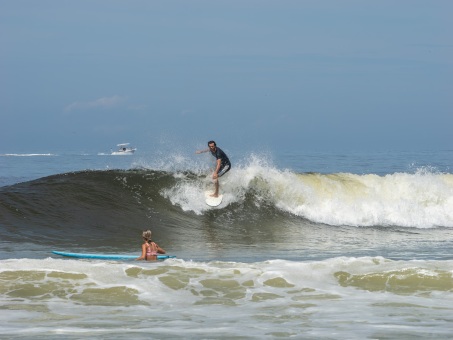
x: 305, y: 245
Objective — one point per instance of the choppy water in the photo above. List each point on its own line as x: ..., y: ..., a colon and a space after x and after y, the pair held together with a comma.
x: 316, y: 246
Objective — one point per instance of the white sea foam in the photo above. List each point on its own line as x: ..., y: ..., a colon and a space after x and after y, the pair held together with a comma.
x: 199, y: 299
x: 423, y: 199
x: 409, y: 200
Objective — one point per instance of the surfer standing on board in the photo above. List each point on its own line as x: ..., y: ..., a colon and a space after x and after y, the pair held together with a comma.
x: 223, y: 164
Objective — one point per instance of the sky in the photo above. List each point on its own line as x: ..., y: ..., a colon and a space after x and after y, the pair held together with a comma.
x: 282, y: 74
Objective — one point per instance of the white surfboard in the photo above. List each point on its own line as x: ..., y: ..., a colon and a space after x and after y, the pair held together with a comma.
x: 212, y: 201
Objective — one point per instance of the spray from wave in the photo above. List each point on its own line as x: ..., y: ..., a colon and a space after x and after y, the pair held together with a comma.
x: 423, y: 199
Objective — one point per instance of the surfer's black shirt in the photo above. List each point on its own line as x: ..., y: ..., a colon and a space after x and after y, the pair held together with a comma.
x: 219, y: 154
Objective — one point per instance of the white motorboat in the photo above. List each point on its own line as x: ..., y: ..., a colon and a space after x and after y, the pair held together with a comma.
x: 124, y: 149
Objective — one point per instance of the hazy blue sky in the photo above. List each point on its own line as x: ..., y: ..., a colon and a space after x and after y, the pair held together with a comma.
x: 308, y: 75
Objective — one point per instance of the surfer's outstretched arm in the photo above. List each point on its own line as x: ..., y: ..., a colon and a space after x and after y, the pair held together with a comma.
x: 201, y: 151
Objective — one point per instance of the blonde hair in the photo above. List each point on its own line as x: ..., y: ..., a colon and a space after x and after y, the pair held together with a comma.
x: 147, y: 235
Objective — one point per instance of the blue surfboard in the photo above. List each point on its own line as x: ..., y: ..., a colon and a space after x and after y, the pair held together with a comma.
x: 107, y: 256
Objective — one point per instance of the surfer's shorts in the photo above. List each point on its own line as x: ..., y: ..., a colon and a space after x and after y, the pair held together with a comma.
x: 224, y: 169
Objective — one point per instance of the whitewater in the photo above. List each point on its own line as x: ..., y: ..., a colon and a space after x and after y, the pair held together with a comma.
x: 423, y: 199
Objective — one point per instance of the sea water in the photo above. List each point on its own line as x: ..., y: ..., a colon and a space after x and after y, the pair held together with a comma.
x: 305, y: 245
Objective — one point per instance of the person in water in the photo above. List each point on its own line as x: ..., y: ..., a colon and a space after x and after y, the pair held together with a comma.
x: 150, y: 249
x: 223, y: 164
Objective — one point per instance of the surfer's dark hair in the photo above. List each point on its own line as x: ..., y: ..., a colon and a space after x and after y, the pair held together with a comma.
x: 212, y: 142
